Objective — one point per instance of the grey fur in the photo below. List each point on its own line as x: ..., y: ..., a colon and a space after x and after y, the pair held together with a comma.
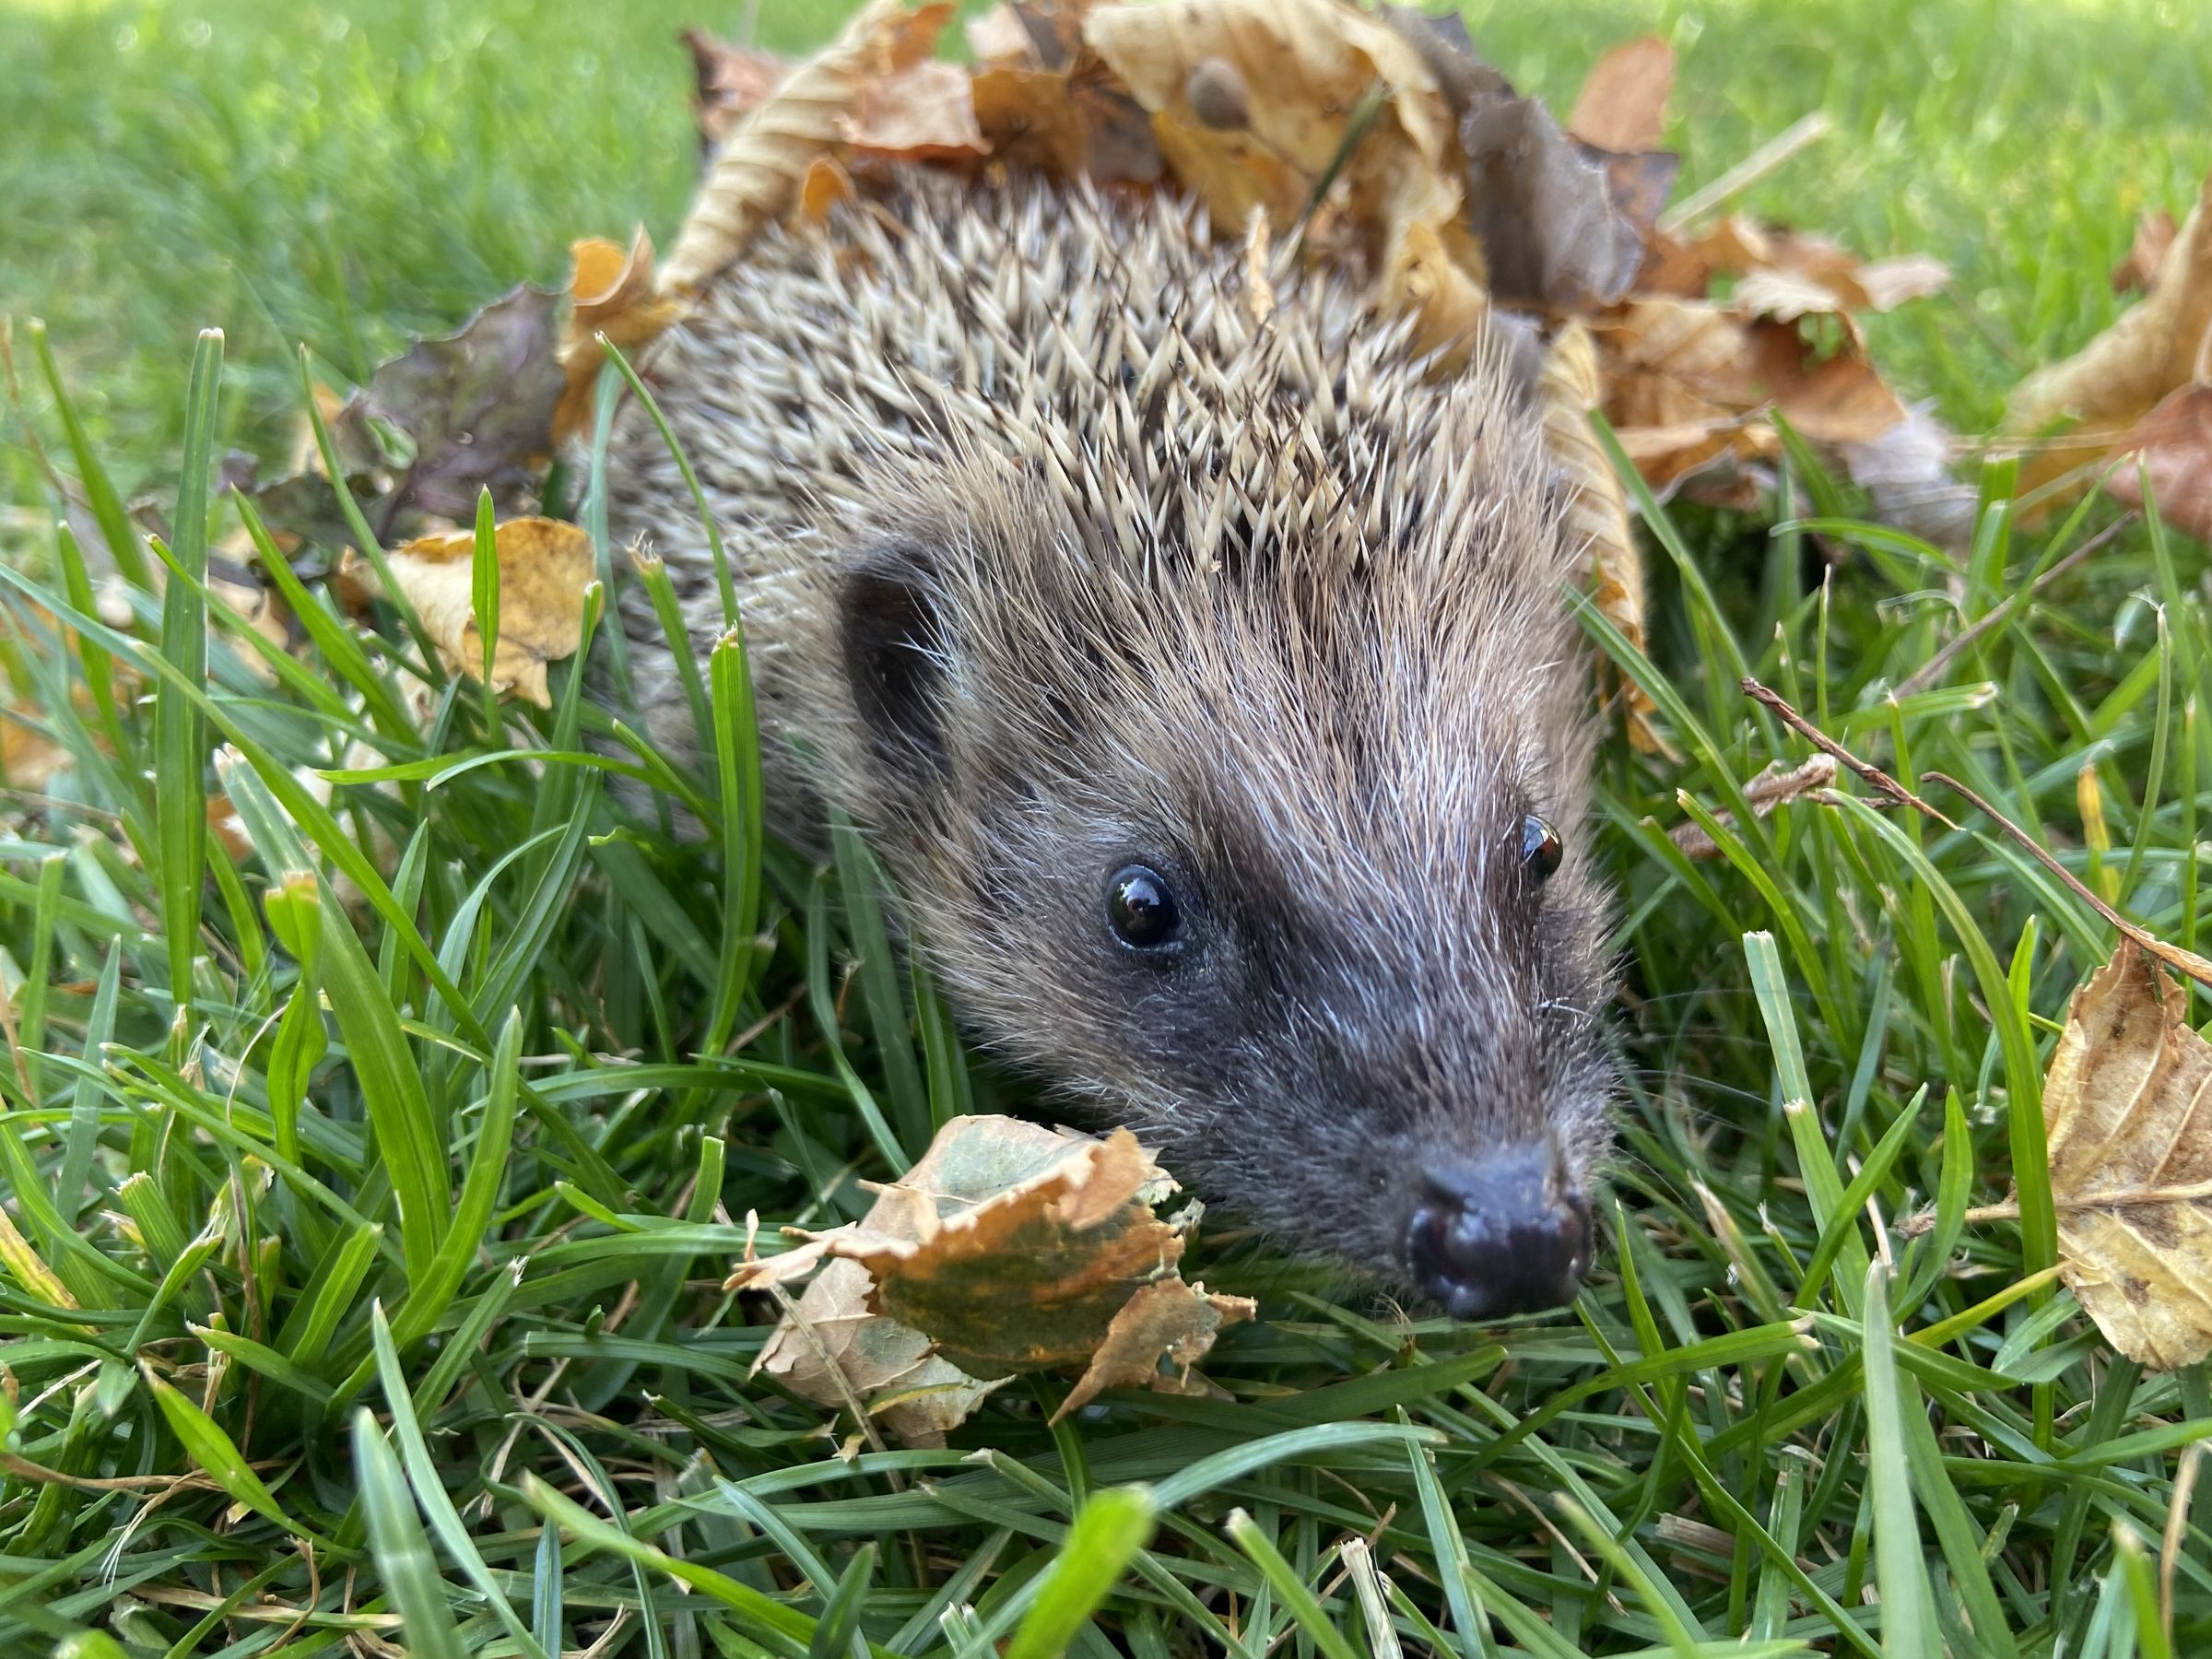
x: 1253, y: 601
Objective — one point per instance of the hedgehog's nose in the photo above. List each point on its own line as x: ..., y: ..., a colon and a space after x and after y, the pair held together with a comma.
x: 1499, y: 1234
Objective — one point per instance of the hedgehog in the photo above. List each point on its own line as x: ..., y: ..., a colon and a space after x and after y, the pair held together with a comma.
x: 1197, y: 660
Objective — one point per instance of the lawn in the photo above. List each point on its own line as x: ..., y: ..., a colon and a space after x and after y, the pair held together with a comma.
x: 269, y: 1386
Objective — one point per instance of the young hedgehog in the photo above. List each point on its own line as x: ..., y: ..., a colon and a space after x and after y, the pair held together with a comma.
x: 1200, y: 668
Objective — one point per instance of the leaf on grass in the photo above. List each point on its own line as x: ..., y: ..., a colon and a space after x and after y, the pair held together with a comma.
x: 1622, y: 105
x: 1008, y: 1247
x: 544, y: 566
x: 476, y: 406
x: 1542, y: 209
x: 1167, y: 1322
x: 610, y: 292
x: 2099, y: 392
x: 2173, y: 445
x: 755, y: 177
x: 2127, y: 1107
x: 732, y: 81
x: 2139, y: 268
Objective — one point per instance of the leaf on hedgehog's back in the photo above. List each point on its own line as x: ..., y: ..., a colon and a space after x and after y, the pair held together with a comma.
x: 755, y: 177
x: 1008, y: 1247
x: 924, y: 112
x: 1622, y: 105
x: 544, y: 566
x: 476, y: 406
x: 2127, y: 1109
x: 610, y: 293
x: 732, y: 81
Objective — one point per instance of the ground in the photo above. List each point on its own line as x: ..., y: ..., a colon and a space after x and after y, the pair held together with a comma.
x: 1741, y: 1431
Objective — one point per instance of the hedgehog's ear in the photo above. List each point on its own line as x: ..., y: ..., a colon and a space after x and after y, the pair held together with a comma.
x: 894, y: 642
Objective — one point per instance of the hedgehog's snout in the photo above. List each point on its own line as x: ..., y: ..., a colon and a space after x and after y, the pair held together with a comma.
x: 1498, y: 1233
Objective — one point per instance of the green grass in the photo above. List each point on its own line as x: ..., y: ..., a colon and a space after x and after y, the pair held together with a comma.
x: 375, y: 1183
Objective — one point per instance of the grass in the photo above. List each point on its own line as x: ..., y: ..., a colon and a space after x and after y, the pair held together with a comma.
x: 371, y: 1176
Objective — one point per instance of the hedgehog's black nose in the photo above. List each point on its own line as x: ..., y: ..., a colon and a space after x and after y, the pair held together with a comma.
x: 1497, y: 1235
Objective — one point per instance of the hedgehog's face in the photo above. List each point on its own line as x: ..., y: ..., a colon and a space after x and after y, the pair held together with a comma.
x: 1293, y: 881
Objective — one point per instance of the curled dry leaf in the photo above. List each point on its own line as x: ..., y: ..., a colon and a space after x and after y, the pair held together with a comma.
x: 611, y: 293
x: 733, y: 82
x: 544, y: 566
x: 1008, y: 1247
x: 1542, y: 209
x: 1597, y: 512
x: 2173, y: 445
x: 2114, y: 381
x: 1164, y: 1320
x: 755, y: 177
x: 1622, y: 105
x: 2128, y: 1110
x: 1777, y: 786
x: 922, y: 112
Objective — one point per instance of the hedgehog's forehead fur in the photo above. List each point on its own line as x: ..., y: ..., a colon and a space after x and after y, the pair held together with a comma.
x: 1065, y: 544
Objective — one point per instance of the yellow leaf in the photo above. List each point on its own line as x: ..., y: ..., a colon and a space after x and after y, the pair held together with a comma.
x: 610, y: 293
x: 544, y: 566
x: 2129, y: 1122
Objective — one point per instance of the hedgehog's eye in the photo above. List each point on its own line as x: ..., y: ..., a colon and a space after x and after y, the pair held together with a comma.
x: 1141, y: 908
x: 1540, y: 848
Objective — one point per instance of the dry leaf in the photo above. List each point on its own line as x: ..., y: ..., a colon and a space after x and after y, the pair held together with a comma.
x: 2129, y: 1121
x: 610, y: 293
x: 2113, y: 381
x: 733, y: 82
x: 28, y: 758
x: 1777, y: 786
x: 2139, y: 269
x: 1000, y: 39
x: 544, y: 566
x: 2173, y: 445
x: 1166, y: 1321
x: 1008, y: 1247
x: 1597, y: 512
x: 477, y: 406
x: 1543, y: 210
x: 1622, y: 106
x: 1907, y: 470
x: 924, y: 112
x: 755, y: 177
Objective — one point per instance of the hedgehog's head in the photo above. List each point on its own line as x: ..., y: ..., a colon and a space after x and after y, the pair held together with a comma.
x: 1255, y: 820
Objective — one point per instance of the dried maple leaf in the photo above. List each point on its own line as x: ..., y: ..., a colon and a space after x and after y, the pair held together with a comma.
x: 610, y: 292
x: 733, y: 82
x: 2128, y: 1110
x: 2105, y: 388
x: 544, y: 566
x: 2174, y: 443
x: 1008, y: 1247
x: 476, y: 405
x: 755, y: 177
x: 1622, y: 105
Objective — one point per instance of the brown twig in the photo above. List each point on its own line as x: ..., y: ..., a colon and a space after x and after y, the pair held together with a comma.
x: 1929, y: 672
x: 1829, y: 745
x: 2173, y: 956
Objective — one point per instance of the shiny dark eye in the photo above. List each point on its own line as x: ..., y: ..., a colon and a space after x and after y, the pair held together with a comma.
x: 1540, y: 848
x: 1141, y: 908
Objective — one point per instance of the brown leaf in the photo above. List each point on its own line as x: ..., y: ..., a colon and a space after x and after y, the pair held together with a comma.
x: 755, y: 177
x: 732, y: 81
x: 2116, y: 379
x: 610, y: 292
x: 2127, y: 1110
x: 1622, y: 106
x: 1008, y: 1247
x: 1543, y: 210
x: 476, y: 405
x: 2139, y: 269
x: 924, y: 112
x: 1777, y: 786
x: 1164, y: 1320
x: 2174, y: 444
x: 544, y: 566
x: 1597, y: 512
